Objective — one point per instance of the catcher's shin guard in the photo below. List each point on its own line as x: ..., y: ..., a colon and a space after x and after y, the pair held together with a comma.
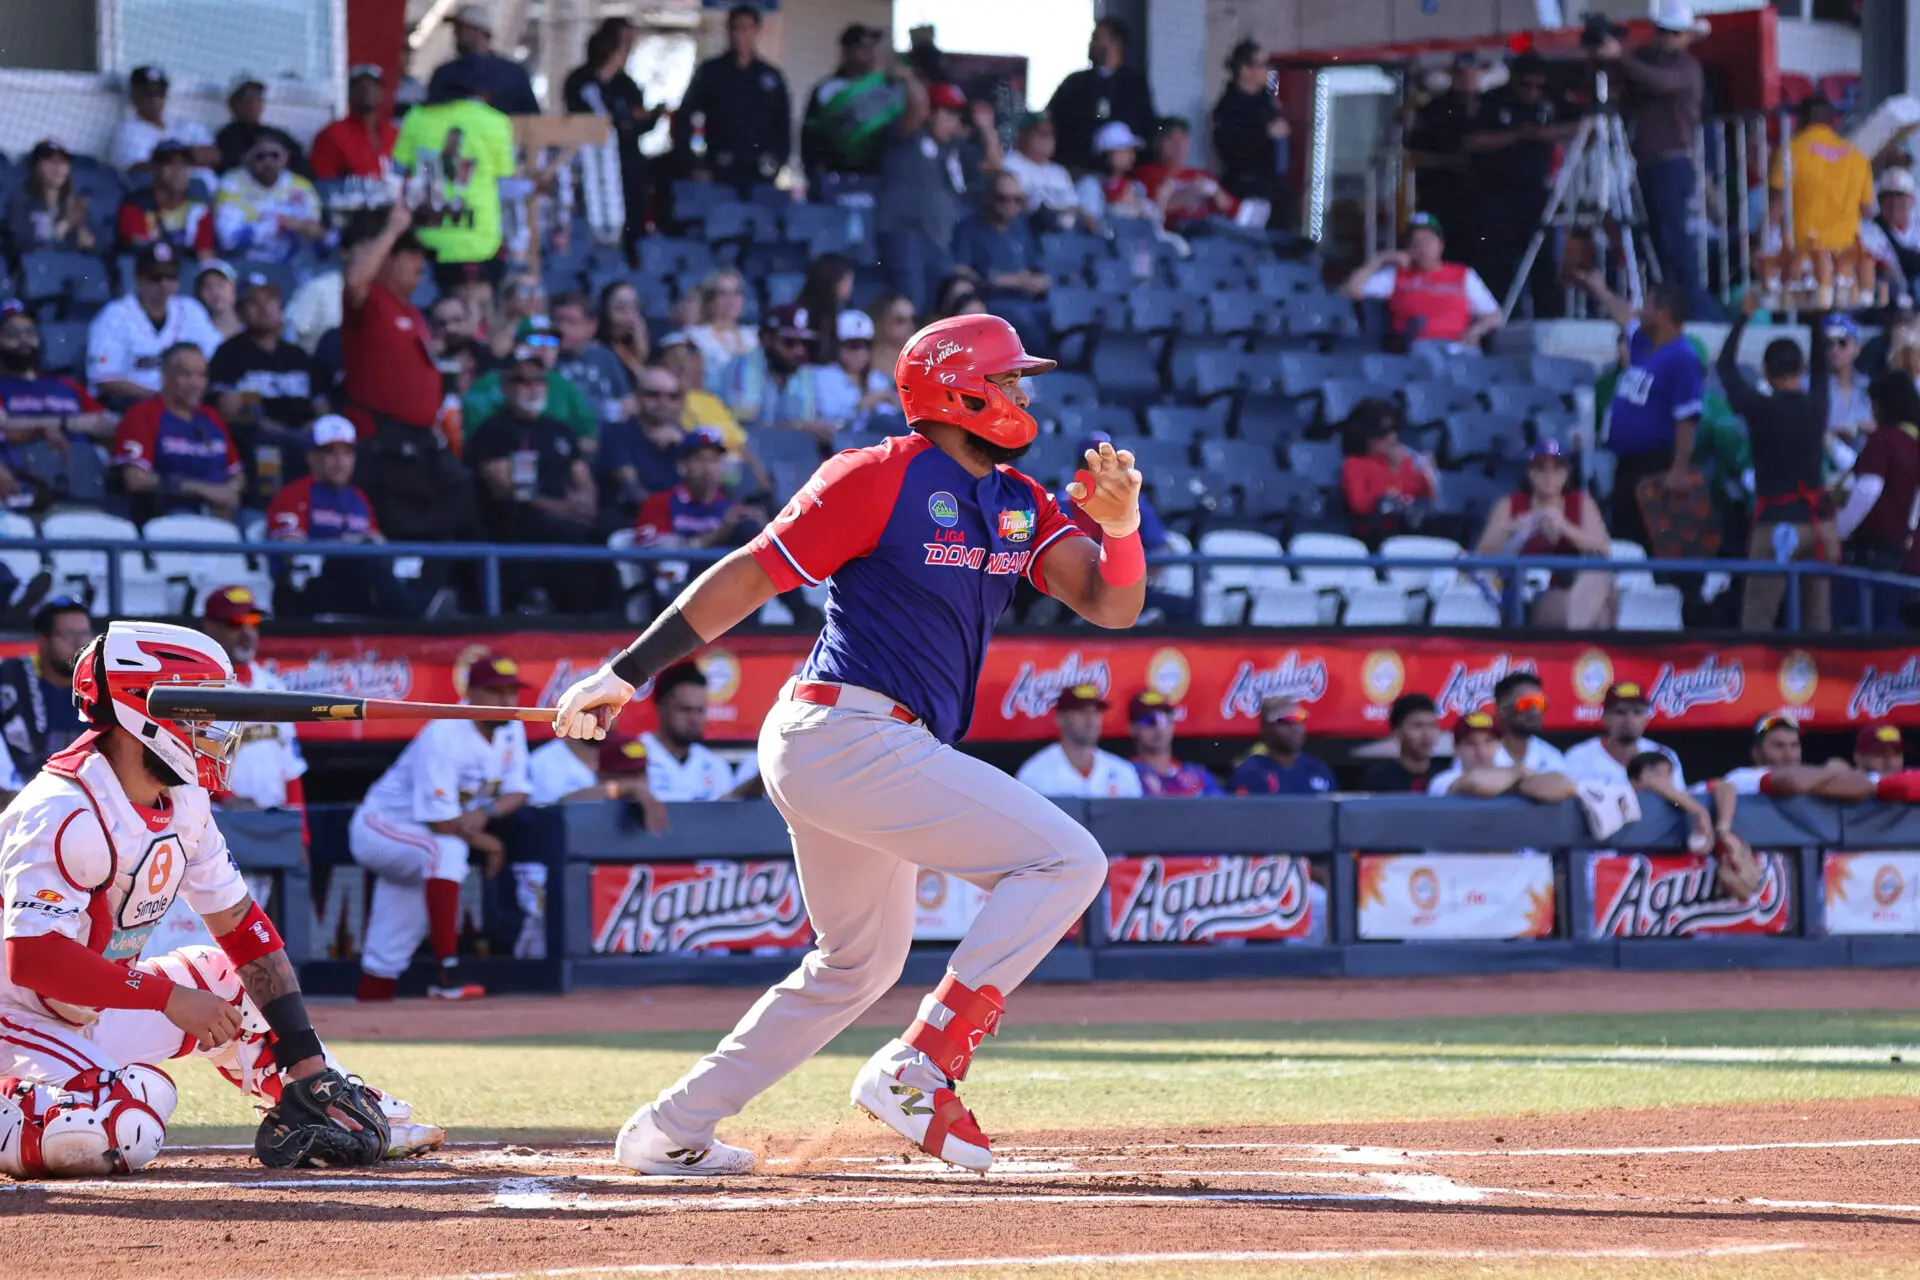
x: 908, y: 1085
x: 99, y: 1122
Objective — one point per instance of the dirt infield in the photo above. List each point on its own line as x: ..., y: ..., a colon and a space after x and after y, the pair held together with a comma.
x: 1822, y: 1180
x: 1816, y: 1180
x: 1507, y: 995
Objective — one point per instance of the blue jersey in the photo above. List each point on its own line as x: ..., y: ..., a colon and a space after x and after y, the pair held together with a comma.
x: 1660, y: 388
x: 920, y: 558
x: 1183, y: 780
x: 1261, y: 774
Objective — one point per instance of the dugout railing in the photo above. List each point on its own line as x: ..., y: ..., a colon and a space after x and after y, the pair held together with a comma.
x: 713, y: 875
x: 1501, y: 579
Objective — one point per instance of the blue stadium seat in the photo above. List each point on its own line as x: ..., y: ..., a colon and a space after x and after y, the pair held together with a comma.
x: 1268, y: 420
x: 1301, y: 373
x: 559, y: 277
x: 1321, y: 313
x: 1069, y: 257
x: 1298, y: 500
x: 1565, y: 374
x: 1237, y: 460
x: 1179, y: 422
x: 739, y: 221
x: 1158, y: 310
x: 1523, y: 401
x: 1283, y: 279
x: 1484, y: 435
x: 1471, y: 494
x: 779, y: 444
x: 1061, y: 389
x: 783, y: 287
x: 1202, y: 276
x: 1155, y: 456
x: 79, y: 282
x: 692, y: 199
x: 1476, y: 373
x: 667, y: 255
x: 1117, y: 421
x: 1127, y: 369
x: 1052, y: 460
x: 761, y: 260
x: 1238, y: 311
x: 1561, y: 427
x: 1338, y: 396
x: 1428, y: 400
x: 1114, y: 278
x: 1389, y: 371
x: 1197, y: 366
x: 63, y: 345
x: 1317, y: 459
x: 1178, y: 488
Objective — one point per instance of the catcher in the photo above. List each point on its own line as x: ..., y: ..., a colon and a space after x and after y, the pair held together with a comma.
x: 92, y: 853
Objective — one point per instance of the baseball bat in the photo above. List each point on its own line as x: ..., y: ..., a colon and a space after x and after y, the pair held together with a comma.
x: 283, y: 706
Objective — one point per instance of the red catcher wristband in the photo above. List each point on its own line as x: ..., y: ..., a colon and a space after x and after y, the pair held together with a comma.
x: 252, y: 938
x: 1123, y: 561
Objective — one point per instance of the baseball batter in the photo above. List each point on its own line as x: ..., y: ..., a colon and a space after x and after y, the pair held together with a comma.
x: 920, y: 541
x: 92, y: 854
x: 422, y: 819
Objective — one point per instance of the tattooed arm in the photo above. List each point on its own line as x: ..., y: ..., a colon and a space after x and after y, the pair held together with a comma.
x: 260, y: 959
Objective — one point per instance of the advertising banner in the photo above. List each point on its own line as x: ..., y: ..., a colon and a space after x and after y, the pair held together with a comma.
x: 943, y: 906
x: 1638, y: 895
x: 1347, y: 682
x: 647, y: 908
x: 1875, y: 892
x: 1406, y: 897
x: 1207, y: 898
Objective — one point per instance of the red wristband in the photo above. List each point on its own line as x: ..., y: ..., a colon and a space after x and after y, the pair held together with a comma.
x: 254, y: 937
x: 1123, y: 561
x: 1899, y: 788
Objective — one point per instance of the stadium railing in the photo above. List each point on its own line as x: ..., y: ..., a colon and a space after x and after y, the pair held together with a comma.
x: 1507, y: 591
x: 709, y: 877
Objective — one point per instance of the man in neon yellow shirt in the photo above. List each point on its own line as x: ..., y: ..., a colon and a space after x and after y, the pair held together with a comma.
x: 459, y: 150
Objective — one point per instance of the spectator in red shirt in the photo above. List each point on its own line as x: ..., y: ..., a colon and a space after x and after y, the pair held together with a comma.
x: 1382, y: 483
x: 172, y: 452
x: 358, y: 144
x: 696, y: 512
x: 1185, y: 194
x: 324, y: 506
x: 1876, y: 524
x: 164, y: 211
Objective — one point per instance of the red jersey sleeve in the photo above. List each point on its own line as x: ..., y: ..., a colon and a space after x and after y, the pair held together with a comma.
x: 134, y: 440
x: 1051, y: 526
x: 130, y: 224
x: 837, y: 516
x: 203, y: 242
x: 287, y: 512
x: 655, y: 519
x: 87, y: 403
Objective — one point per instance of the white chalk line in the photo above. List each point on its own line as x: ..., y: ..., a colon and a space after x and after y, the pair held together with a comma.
x: 858, y: 1265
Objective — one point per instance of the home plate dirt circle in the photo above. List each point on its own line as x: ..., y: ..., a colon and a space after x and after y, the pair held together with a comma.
x: 1832, y: 1179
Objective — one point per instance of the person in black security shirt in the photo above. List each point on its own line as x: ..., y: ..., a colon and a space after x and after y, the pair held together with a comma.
x: 1512, y: 144
x: 501, y: 82
x: 850, y: 114
x: 1104, y: 91
x: 263, y: 385
x: 735, y: 121
x: 1436, y: 147
x: 37, y: 715
x: 1787, y: 432
x: 535, y: 486
x: 1249, y: 129
x: 601, y: 86
x: 1416, y: 728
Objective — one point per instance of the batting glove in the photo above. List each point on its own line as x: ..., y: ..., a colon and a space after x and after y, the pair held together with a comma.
x: 592, y: 704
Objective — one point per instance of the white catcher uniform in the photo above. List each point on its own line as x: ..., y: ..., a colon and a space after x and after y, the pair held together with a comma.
x: 80, y: 860
x: 450, y: 768
x: 268, y: 758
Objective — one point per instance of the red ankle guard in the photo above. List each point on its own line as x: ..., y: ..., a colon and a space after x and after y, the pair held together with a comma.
x: 976, y: 1014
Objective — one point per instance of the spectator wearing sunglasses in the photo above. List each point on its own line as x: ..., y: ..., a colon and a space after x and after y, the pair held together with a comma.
x: 1279, y: 765
x: 263, y: 210
x: 565, y: 403
x: 776, y: 384
x: 1849, y: 410
x: 37, y: 715
x: 1520, y: 702
x: 1779, y: 768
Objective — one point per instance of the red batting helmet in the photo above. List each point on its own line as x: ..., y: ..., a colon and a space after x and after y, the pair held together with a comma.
x: 942, y: 375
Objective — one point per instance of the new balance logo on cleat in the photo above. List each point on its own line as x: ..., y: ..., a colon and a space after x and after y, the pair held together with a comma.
x: 688, y: 1156
x: 910, y: 1100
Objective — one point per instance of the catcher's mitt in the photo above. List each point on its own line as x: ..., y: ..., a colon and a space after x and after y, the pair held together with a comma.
x: 298, y: 1130
x: 1737, y: 870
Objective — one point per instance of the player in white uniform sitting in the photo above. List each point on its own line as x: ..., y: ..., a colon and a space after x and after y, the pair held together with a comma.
x: 92, y: 854
x: 267, y: 764
x: 1624, y: 714
x: 1075, y: 767
x: 419, y: 823
x: 680, y: 765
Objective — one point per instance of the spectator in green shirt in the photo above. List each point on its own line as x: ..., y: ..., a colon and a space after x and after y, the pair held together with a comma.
x: 458, y: 153
x: 565, y: 403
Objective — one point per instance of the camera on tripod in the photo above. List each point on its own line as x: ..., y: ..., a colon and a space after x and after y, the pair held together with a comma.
x: 1596, y: 29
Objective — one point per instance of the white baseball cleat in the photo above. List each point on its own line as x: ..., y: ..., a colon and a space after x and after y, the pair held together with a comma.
x: 902, y: 1089
x: 643, y: 1148
x: 411, y: 1138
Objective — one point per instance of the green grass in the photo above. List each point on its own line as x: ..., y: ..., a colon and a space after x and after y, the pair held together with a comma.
x: 1196, y: 1074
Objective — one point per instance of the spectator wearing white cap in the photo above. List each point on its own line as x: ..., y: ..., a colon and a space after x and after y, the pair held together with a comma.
x: 1111, y: 190
x: 325, y: 506
x: 1892, y: 237
x: 501, y: 82
x: 146, y: 124
x: 849, y: 390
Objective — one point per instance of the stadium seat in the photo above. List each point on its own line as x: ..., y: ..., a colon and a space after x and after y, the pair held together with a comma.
x: 758, y: 261
x: 59, y: 275
x: 1116, y: 278
x: 1220, y: 374
x: 693, y: 198
x: 1127, y: 369
x: 1522, y: 401
x: 1283, y: 279
x: 1177, y: 488
x: 1651, y: 608
x: 1471, y: 494
x: 1631, y: 579
x: 63, y: 346
x: 1181, y: 422
x: 1223, y: 583
x: 1286, y: 604
x: 1198, y: 276
x: 1474, y: 435
x: 1321, y: 314
x: 779, y: 444
x: 1341, y: 578
x: 191, y: 574
x: 1270, y: 420
x: 821, y: 227
x: 1053, y: 460
x: 741, y: 222
x: 783, y: 287
x: 1061, y: 389
x: 1069, y: 257
x: 1380, y: 605
x: 1564, y: 374
x: 143, y: 592
x: 1319, y: 459
x: 1431, y: 400
x: 632, y: 575
x: 1154, y: 456
x: 1174, y: 579
x: 1237, y: 462
x: 1566, y: 429
x: 1299, y: 502
x: 78, y: 475
x: 1601, y: 466
x: 1301, y: 373
x: 20, y: 562
x: 1238, y: 311
x: 668, y: 256
x: 1116, y: 420
x: 1415, y: 547
x: 1156, y: 310
x: 1339, y: 397
x: 1390, y: 371
x: 1463, y: 606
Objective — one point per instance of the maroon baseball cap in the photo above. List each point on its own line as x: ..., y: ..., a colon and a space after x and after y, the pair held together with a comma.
x: 236, y: 605
x: 1145, y: 706
x: 1878, y: 737
x: 950, y: 97
x: 1475, y: 722
x: 1081, y: 695
x: 1622, y: 691
x: 490, y: 671
x: 623, y: 756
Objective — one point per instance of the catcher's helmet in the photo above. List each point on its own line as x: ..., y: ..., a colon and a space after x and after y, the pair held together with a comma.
x: 110, y: 682
x: 942, y: 375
